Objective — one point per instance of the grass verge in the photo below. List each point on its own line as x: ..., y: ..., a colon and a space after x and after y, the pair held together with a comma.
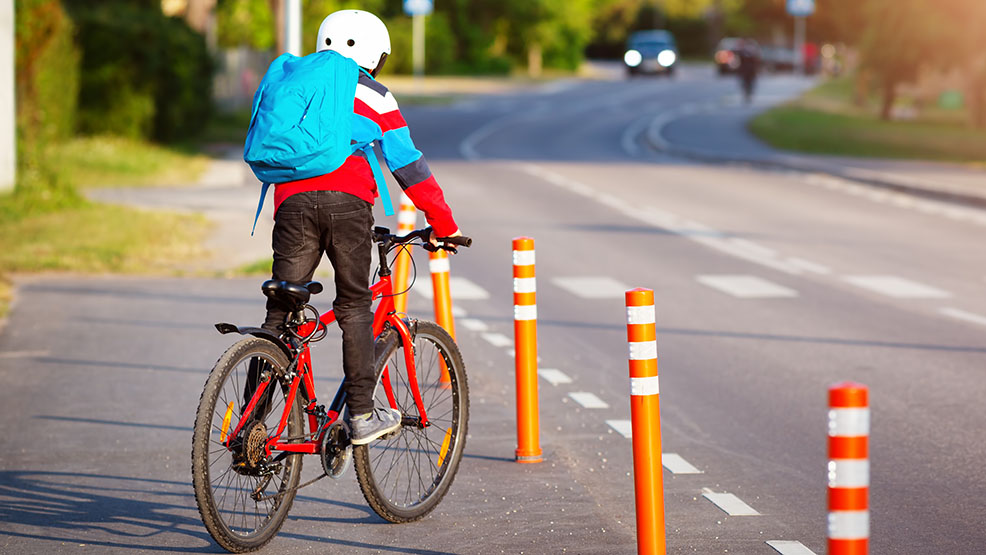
x: 824, y: 121
x: 115, y: 161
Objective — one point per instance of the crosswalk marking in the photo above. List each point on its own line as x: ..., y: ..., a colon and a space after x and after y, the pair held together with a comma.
x: 460, y: 288
x: 592, y: 287
x: 622, y: 427
x: 729, y: 503
x: 746, y: 287
x: 473, y: 324
x: 790, y: 547
x: 898, y: 287
x: 678, y: 465
x: 963, y: 315
x: 554, y: 376
x: 497, y: 339
x: 588, y: 400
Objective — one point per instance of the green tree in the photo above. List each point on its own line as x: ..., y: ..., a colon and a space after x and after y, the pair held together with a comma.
x: 898, y: 37
x: 245, y: 23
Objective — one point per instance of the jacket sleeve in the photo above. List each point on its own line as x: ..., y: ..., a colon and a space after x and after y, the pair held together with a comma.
x: 404, y: 160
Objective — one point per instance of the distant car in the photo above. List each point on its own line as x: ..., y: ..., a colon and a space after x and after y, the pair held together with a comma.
x: 726, y: 57
x: 651, y: 52
x: 778, y: 58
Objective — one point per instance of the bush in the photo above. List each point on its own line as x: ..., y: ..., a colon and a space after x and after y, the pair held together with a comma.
x: 144, y: 75
x: 47, y: 66
x: 439, y: 45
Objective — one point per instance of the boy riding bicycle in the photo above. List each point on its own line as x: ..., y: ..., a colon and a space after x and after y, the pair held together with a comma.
x: 332, y: 214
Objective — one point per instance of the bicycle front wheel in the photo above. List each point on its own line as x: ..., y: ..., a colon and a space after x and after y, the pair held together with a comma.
x: 244, y: 495
x: 405, y: 475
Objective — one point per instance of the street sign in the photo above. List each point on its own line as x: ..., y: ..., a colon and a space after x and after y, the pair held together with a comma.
x: 800, y: 8
x: 418, y: 7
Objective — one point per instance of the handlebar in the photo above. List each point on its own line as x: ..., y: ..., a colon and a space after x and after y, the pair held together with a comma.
x: 383, y: 236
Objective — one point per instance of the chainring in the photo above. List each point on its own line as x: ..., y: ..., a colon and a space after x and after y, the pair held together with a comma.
x: 336, y: 450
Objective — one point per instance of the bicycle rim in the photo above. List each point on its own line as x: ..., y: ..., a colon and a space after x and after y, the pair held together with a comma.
x: 225, y: 485
x: 404, y: 476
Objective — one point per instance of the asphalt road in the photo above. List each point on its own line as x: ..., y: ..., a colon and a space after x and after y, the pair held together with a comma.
x: 769, y: 287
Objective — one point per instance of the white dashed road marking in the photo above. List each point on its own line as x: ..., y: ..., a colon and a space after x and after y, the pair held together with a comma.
x: 460, y: 288
x: 729, y: 503
x: 554, y: 376
x: 963, y: 315
x: 746, y: 287
x: 790, y: 547
x: 809, y: 266
x: 677, y: 465
x: 623, y: 427
x: 590, y: 287
x: 497, y: 339
x: 473, y: 324
x: 588, y: 400
x: 900, y: 288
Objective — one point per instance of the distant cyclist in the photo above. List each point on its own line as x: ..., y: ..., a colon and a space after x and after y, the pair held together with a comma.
x: 749, y: 65
x: 332, y: 214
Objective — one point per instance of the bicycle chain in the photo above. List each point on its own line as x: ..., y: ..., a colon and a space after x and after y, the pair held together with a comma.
x: 287, y: 491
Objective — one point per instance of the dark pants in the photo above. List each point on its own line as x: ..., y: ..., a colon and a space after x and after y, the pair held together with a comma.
x: 339, y: 225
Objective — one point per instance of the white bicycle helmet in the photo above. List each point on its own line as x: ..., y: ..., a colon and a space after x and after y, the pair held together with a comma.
x: 358, y: 35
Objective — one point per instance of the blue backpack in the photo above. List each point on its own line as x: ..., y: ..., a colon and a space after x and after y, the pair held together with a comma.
x: 302, y: 122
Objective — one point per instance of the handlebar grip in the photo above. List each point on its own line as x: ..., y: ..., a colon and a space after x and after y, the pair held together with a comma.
x: 461, y: 241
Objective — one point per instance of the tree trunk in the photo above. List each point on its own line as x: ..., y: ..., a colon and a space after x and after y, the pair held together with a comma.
x: 534, y: 60
x: 976, y: 94
x: 197, y: 14
x: 887, y: 101
x: 277, y: 8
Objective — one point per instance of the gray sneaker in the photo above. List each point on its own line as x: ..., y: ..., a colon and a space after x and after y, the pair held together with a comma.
x: 372, y: 425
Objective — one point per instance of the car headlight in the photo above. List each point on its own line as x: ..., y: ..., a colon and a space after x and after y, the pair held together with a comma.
x: 633, y: 58
x: 666, y: 58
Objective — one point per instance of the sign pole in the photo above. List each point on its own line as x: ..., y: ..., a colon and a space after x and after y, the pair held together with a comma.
x: 418, y: 48
x: 292, y: 27
x: 8, y: 111
x: 799, y: 44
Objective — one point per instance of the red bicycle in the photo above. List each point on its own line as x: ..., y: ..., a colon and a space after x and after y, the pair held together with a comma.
x: 250, y: 435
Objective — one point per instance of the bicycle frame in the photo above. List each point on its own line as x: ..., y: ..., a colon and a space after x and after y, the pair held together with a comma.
x: 302, y: 376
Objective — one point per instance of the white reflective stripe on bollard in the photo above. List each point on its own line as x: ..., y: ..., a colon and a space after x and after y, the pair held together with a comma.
x: 849, y: 525
x: 644, y: 386
x: 640, y: 314
x: 523, y: 258
x: 525, y: 312
x: 643, y: 350
x: 407, y: 218
x: 849, y: 473
x: 525, y: 285
x: 849, y: 422
x: 439, y: 265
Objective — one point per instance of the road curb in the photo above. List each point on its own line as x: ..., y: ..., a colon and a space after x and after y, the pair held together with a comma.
x: 792, y: 162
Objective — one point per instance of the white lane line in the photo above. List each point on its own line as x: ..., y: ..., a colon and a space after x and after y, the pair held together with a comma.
x: 678, y: 465
x: 459, y: 312
x: 588, y: 400
x: 963, y: 315
x: 809, y: 266
x: 460, y: 288
x: 790, y: 547
x: 622, y: 427
x: 473, y: 324
x: 898, y: 287
x: 497, y: 339
x: 729, y: 503
x: 746, y: 287
x: 554, y: 376
x: 754, y: 248
x: 592, y: 287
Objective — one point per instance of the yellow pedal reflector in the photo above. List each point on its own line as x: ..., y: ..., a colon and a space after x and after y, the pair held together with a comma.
x: 444, y: 450
x: 226, y: 419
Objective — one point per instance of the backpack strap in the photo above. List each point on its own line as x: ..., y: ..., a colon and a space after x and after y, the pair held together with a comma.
x: 260, y: 206
x: 371, y: 157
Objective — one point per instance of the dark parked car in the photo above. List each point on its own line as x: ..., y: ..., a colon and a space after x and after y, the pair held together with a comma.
x: 778, y: 58
x: 651, y: 52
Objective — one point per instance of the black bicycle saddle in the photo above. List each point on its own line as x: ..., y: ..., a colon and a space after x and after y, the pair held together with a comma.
x: 291, y: 294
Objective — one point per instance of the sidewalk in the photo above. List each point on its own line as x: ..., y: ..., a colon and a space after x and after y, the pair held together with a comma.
x: 717, y: 132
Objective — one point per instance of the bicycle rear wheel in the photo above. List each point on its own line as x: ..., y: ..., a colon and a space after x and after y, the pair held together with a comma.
x: 404, y: 476
x: 243, y: 495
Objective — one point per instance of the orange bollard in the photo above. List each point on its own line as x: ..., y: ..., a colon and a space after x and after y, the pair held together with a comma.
x: 645, y: 418
x: 526, y: 352
x: 438, y: 263
x: 407, y: 219
x: 849, y: 469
